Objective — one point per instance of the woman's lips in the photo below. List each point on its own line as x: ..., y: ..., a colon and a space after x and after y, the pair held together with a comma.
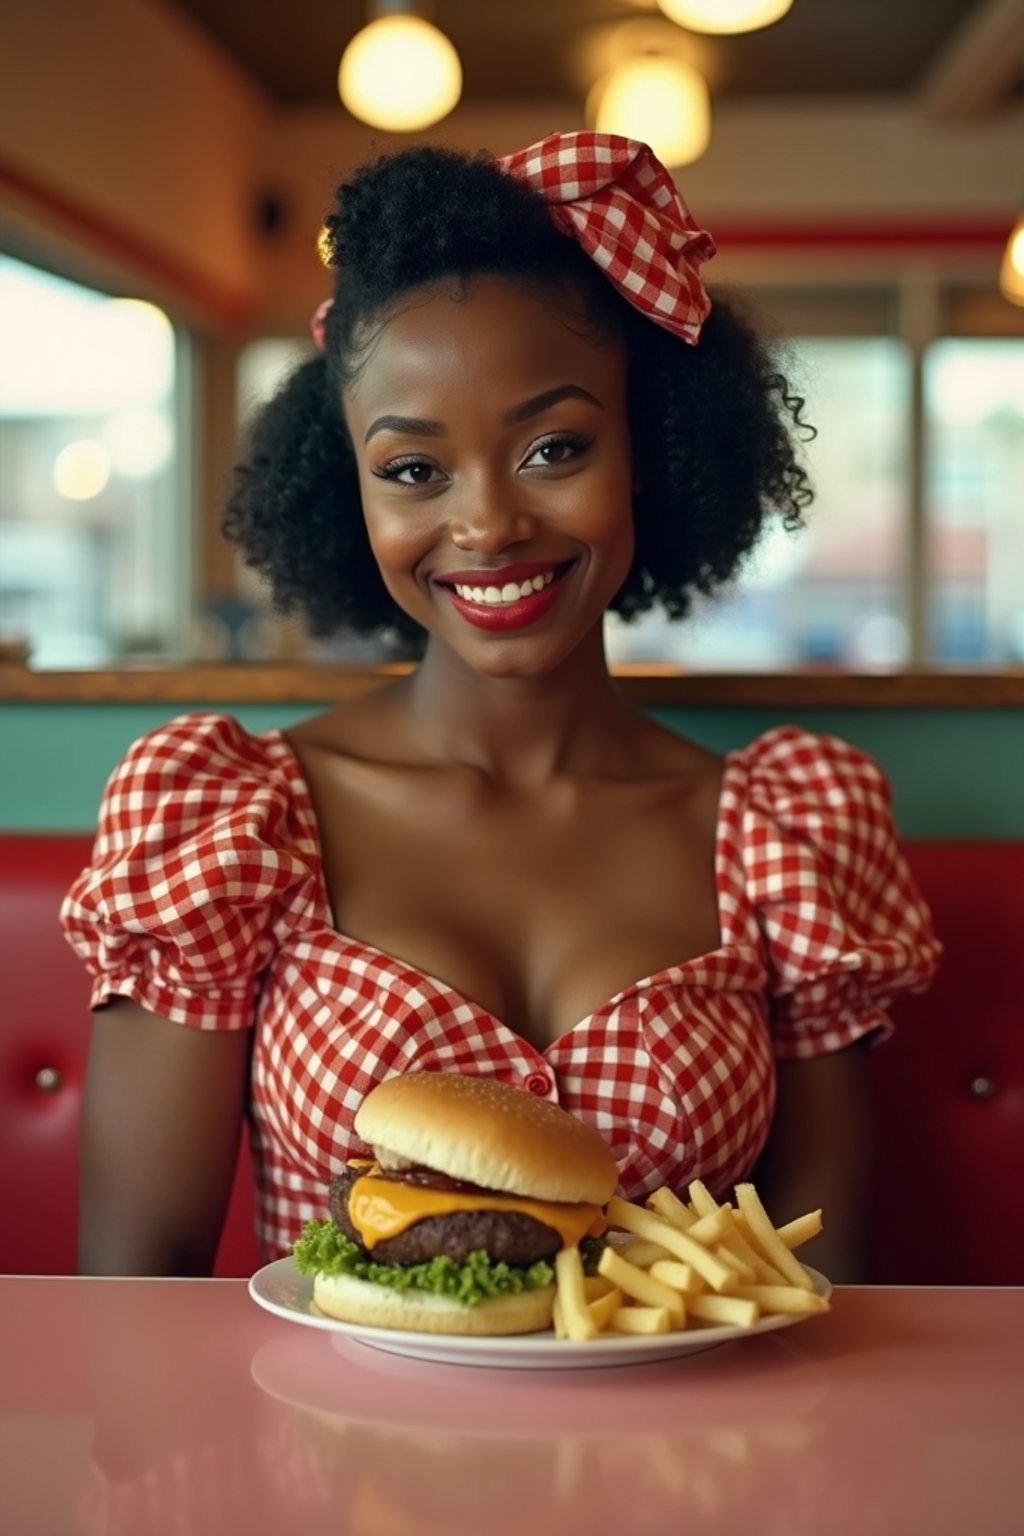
x: 499, y: 610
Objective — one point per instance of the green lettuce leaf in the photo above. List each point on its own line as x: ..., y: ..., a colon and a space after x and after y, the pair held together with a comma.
x: 591, y: 1249
x: 324, y: 1249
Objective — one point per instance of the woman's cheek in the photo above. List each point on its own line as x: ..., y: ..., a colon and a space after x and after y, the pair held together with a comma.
x: 400, y: 538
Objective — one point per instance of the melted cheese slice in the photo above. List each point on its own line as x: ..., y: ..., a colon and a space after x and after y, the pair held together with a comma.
x: 381, y: 1208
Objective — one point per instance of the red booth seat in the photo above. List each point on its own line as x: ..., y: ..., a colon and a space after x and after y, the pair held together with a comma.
x: 948, y: 1089
x: 44, y: 1040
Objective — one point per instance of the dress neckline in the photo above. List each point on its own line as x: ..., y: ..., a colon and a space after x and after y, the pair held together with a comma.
x: 730, y: 944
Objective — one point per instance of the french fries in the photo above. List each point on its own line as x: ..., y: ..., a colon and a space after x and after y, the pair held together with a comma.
x: 682, y: 1277
x: 604, y: 1308
x: 641, y: 1320
x: 675, y: 1264
x: 799, y: 1231
x: 639, y: 1251
x: 633, y: 1218
x: 575, y: 1312
x: 768, y: 1240
x: 640, y: 1284
x: 672, y: 1208
x: 737, y: 1311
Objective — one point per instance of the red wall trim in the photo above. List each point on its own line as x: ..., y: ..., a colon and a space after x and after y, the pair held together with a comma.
x: 224, y: 307
x: 235, y: 312
x: 901, y: 235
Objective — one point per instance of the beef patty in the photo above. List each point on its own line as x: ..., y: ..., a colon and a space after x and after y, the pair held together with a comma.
x: 505, y: 1236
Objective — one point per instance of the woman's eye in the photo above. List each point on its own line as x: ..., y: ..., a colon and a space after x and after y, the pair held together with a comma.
x: 407, y: 471
x: 556, y: 450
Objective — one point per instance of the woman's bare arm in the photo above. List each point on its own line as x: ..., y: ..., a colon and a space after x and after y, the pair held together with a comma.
x: 819, y: 1154
x: 161, y: 1119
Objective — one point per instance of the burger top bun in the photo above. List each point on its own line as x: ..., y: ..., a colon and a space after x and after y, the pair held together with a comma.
x: 488, y: 1133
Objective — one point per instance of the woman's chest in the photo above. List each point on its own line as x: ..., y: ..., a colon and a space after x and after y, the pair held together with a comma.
x: 676, y: 1074
x: 537, y: 908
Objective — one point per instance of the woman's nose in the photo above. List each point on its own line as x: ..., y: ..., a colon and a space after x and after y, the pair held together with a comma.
x: 490, y: 522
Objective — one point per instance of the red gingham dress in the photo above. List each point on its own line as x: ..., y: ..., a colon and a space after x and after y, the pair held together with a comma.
x: 206, y: 903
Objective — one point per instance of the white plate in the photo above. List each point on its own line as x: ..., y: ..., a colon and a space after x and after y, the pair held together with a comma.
x: 281, y: 1289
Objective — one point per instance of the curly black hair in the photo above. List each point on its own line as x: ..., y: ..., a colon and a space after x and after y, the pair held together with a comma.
x: 715, y: 427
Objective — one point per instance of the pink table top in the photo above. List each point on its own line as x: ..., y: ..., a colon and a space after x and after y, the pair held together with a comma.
x: 160, y: 1406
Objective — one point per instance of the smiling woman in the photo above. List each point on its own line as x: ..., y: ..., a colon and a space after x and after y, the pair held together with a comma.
x: 501, y: 507
x: 712, y: 426
x: 525, y: 413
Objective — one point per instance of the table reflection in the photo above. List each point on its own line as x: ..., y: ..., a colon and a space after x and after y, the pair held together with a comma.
x: 152, y: 1409
x: 405, y: 1447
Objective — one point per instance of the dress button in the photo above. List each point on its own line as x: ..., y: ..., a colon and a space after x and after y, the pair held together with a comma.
x: 537, y: 1083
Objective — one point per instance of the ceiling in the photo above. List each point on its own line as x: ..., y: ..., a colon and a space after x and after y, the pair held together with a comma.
x: 964, y: 57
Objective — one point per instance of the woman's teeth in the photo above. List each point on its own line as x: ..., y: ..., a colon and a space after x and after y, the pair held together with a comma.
x: 511, y: 592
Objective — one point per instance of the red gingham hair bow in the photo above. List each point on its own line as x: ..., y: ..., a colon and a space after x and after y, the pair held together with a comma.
x: 614, y: 196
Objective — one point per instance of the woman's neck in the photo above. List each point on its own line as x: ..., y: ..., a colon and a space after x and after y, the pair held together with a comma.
x: 521, y: 731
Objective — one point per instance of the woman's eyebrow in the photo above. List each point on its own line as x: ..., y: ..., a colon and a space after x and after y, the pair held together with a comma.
x: 418, y: 426
x: 538, y: 403
x: 413, y: 426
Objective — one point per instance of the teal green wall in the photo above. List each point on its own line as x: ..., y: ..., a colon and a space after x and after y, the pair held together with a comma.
x: 955, y: 773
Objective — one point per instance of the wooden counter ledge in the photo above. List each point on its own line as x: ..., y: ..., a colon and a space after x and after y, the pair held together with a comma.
x: 656, y: 687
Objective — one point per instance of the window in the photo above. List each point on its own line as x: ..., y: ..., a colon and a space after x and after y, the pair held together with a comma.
x: 836, y: 591
x: 914, y: 546
x: 974, y: 499
x: 94, y: 542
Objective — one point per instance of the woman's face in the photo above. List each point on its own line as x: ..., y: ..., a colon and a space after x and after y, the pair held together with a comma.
x: 490, y: 429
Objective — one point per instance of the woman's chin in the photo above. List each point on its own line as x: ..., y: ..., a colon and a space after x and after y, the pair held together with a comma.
x: 524, y: 657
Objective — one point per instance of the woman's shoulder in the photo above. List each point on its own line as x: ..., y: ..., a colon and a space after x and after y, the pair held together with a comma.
x: 205, y: 741
x: 379, y: 723
x: 790, y: 761
x: 203, y: 857
x: 794, y: 797
x: 201, y: 808
x: 205, y: 770
x: 816, y: 856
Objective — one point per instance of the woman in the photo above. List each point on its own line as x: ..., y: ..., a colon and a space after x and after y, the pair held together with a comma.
x: 524, y: 413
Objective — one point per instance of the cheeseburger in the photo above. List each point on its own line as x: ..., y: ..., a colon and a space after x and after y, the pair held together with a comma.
x: 453, y: 1227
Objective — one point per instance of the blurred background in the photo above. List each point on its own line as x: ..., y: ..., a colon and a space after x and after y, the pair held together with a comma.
x: 164, y: 168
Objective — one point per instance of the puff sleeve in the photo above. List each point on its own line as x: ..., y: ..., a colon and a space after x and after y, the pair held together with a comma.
x: 199, y: 864
x: 843, y: 924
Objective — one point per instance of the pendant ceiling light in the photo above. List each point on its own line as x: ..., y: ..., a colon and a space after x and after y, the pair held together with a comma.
x: 724, y: 15
x: 1011, y: 273
x: 399, y: 73
x: 660, y: 100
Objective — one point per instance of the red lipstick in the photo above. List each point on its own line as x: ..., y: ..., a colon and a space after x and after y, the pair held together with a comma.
x: 514, y: 615
x: 521, y: 570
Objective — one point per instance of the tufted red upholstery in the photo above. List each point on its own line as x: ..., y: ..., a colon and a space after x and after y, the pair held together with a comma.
x: 949, y: 1086
x: 44, y: 1011
x: 950, y: 1158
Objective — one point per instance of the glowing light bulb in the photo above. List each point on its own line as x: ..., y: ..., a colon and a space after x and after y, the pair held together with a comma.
x: 661, y: 101
x: 724, y: 15
x: 81, y: 470
x: 401, y: 74
x: 1011, y: 272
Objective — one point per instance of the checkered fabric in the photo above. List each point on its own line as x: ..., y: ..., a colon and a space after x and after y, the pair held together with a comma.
x: 206, y: 903
x: 617, y: 199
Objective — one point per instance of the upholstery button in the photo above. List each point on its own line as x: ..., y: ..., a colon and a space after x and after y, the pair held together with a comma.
x: 48, y: 1080
x: 982, y: 1087
x: 537, y: 1083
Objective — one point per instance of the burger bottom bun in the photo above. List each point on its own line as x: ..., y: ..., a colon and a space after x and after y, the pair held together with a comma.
x: 376, y: 1306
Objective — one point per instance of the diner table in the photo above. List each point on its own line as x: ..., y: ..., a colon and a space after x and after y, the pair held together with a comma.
x: 130, y: 1407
